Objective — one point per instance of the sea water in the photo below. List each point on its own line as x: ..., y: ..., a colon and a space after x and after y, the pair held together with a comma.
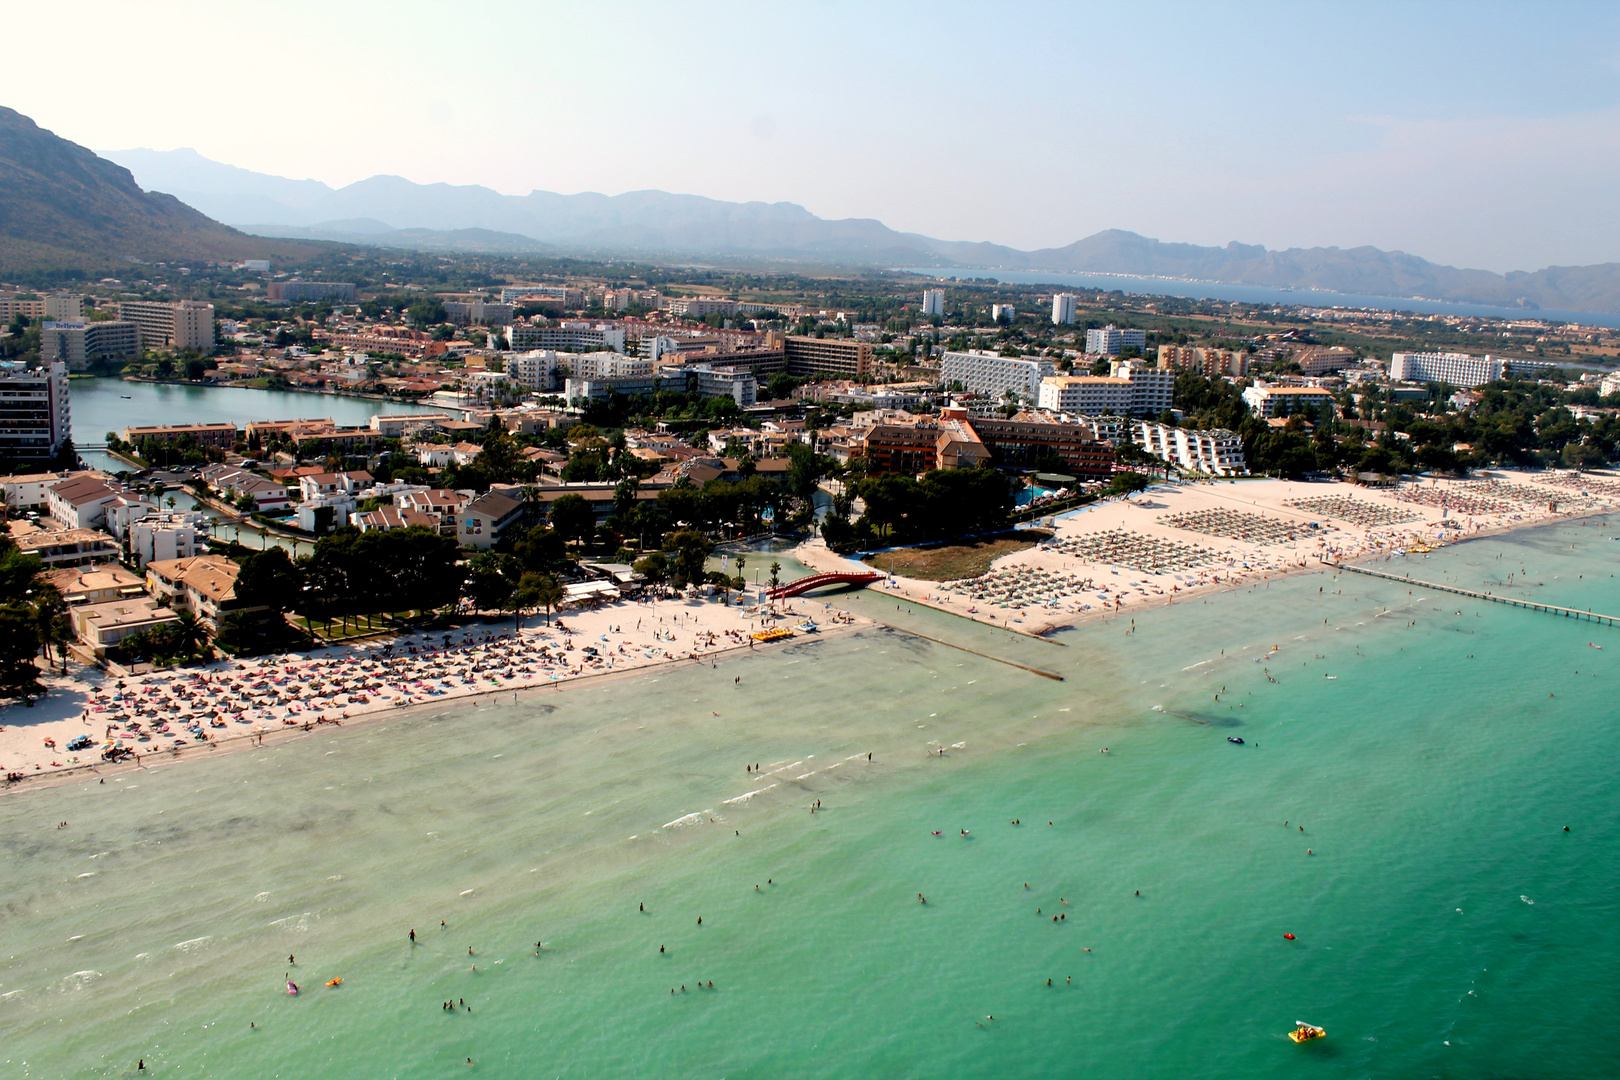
x: 1432, y: 748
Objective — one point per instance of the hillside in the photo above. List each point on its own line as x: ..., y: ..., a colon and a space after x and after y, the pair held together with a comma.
x: 63, y: 209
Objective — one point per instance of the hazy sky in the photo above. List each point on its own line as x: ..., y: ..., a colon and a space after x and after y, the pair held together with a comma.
x: 1471, y: 134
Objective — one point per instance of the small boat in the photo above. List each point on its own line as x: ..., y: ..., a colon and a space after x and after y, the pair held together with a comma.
x: 805, y: 627
x: 292, y: 988
x: 1234, y: 739
x: 777, y: 634
x: 124, y: 396
x: 334, y: 982
x: 1304, y: 1032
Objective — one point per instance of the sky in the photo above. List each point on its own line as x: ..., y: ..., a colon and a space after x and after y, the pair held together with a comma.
x: 1472, y: 134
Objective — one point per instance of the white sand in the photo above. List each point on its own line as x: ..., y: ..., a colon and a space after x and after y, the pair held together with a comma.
x: 235, y: 701
x: 1044, y: 587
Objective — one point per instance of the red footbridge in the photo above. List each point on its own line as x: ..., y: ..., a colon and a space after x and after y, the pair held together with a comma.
x: 817, y: 581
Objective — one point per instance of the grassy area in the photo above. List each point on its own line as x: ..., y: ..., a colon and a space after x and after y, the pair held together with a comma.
x: 948, y: 562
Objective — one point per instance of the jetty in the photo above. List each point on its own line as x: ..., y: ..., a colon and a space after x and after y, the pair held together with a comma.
x: 1529, y: 605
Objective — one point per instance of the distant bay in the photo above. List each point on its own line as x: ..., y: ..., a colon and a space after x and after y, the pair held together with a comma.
x: 1258, y: 294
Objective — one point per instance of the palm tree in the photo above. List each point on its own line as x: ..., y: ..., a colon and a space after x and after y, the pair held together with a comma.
x: 50, y: 615
x: 776, y: 578
x: 189, y: 634
x: 549, y: 593
x: 742, y: 561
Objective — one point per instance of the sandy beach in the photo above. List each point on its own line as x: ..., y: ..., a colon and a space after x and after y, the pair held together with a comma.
x: 177, y: 714
x: 1178, y: 539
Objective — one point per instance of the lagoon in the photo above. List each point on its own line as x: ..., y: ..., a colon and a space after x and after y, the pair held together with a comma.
x: 110, y: 404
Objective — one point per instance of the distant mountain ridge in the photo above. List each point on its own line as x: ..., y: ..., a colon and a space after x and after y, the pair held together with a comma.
x: 62, y: 208
x: 393, y: 211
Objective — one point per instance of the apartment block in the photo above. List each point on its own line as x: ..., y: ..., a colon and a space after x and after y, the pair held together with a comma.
x: 1458, y: 369
x: 1320, y: 361
x: 1087, y: 394
x: 1213, y: 452
x: 565, y: 338
x: 221, y: 435
x: 933, y: 302
x: 993, y: 375
x: 1212, y: 363
x: 1110, y: 340
x: 1063, y: 309
x: 1021, y: 441
x: 810, y: 356
x: 1271, y: 401
x: 477, y: 311
x: 35, y: 418
x: 58, y: 306
x: 184, y: 324
x: 1003, y: 312
x: 76, y: 343
x: 296, y: 291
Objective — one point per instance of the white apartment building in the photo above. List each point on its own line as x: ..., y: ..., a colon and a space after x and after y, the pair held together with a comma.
x: 34, y: 415
x: 1610, y: 384
x: 1063, y: 309
x: 933, y: 302
x: 169, y: 535
x: 1085, y: 394
x: 993, y: 375
x: 1131, y: 388
x: 536, y: 369
x: 607, y: 365
x: 1152, y: 388
x: 1110, y: 340
x: 1458, y: 369
x: 76, y: 343
x: 1215, y: 452
x: 1003, y: 311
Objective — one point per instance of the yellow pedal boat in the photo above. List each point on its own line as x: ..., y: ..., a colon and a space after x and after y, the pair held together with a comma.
x: 1304, y: 1032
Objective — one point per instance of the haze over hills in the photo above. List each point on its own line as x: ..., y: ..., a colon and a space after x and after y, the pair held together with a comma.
x: 62, y: 208
x: 392, y: 211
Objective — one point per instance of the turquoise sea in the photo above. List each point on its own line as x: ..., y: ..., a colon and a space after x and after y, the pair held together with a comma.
x: 1446, y: 924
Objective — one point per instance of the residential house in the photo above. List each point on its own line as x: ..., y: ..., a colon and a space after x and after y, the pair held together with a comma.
x: 204, y: 585
x: 95, y: 584
x: 81, y: 503
x: 485, y: 520
x: 102, y: 626
x: 63, y: 547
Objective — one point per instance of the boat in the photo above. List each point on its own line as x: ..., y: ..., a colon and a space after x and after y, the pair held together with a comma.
x: 334, y: 982
x: 292, y: 987
x: 1234, y: 739
x: 805, y: 627
x: 1304, y: 1032
x: 776, y: 634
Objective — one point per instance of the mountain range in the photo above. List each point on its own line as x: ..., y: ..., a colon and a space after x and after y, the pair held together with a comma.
x: 393, y: 211
x: 63, y: 209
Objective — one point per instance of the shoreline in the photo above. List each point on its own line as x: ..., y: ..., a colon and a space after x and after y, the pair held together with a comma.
x: 41, y: 777
x: 1376, y: 544
x: 289, y: 389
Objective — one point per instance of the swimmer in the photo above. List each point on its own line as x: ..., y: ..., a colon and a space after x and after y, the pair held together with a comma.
x: 641, y: 906
x: 413, y: 937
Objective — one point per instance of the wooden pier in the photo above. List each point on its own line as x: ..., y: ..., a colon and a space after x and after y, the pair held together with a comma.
x: 1529, y: 605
